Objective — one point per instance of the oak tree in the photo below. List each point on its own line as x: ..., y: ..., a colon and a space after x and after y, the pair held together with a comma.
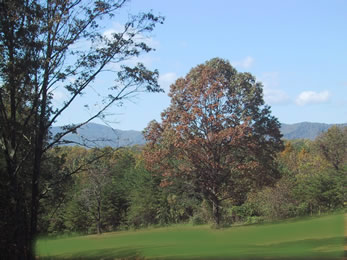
x: 217, y: 135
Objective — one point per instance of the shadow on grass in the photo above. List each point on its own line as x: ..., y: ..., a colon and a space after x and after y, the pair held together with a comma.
x: 270, y: 222
x: 104, y: 254
x: 325, y: 248
x: 308, y: 249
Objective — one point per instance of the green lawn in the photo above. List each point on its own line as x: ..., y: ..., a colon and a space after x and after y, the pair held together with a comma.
x: 309, y: 238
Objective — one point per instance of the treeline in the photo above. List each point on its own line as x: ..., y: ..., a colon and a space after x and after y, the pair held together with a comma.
x: 313, y: 178
x: 112, y: 189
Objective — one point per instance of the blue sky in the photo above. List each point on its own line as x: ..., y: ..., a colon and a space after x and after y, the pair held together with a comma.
x: 297, y: 49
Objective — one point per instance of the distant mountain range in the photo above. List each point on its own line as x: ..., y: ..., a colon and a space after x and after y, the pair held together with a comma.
x: 305, y: 130
x: 96, y: 135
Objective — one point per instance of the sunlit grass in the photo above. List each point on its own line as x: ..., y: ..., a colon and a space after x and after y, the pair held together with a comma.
x: 309, y: 238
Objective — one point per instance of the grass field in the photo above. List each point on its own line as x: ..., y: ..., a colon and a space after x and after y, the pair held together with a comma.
x: 308, y: 238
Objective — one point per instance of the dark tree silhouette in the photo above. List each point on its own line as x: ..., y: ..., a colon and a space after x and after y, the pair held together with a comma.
x: 38, y: 53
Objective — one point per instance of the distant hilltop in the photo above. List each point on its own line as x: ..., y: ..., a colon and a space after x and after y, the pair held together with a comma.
x: 97, y: 135
x: 305, y: 130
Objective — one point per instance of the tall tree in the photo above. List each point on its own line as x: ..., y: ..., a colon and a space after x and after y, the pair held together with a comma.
x: 97, y: 176
x: 39, y: 53
x: 217, y: 134
x: 333, y: 146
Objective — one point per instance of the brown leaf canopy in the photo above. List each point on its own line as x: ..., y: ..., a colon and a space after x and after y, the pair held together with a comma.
x: 217, y: 131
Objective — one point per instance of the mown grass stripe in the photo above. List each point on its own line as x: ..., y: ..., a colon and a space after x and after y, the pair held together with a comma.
x: 308, y: 238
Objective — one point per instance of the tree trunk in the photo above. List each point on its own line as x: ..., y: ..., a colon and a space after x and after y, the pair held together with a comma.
x: 41, y: 134
x: 216, y: 211
x: 98, y: 220
x: 34, y: 208
x: 35, y: 192
x: 14, y: 234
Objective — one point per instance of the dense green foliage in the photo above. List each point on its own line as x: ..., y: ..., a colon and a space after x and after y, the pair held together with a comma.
x: 308, y: 238
x: 312, y: 180
x: 214, y: 159
x: 116, y: 192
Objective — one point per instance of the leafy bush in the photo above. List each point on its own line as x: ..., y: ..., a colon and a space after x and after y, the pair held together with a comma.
x: 197, y: 220
x: 254, y: 220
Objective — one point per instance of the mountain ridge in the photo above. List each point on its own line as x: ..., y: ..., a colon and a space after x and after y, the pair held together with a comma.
x: 97, y: 135
x: 305, y: 130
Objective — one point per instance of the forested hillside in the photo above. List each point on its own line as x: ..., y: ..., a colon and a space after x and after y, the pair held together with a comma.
x: 118, y: 192
x: 216, y: 157
x: 97, y: 135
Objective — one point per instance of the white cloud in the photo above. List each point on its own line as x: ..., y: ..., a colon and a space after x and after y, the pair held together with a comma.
x: 273, y: 95
x: 311, y: 97
x: 58, y: 95
x: 270, y: 79
x: 166, y: 79
x: 245, y: 63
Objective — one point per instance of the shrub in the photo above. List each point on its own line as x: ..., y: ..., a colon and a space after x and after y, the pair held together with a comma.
x: 197, y: 220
